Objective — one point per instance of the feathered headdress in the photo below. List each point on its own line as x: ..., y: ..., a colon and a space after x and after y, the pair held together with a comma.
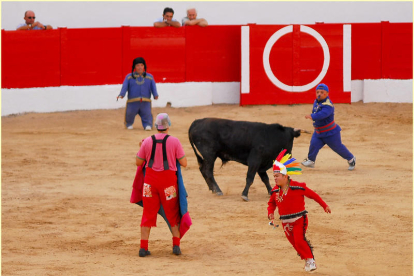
x: 286, y: 165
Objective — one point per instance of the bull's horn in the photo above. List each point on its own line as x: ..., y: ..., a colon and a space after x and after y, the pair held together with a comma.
x: 302, y: 130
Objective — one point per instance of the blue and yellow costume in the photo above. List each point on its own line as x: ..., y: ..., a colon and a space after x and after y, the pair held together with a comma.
x: 139, y: 89
x: 327, y: 132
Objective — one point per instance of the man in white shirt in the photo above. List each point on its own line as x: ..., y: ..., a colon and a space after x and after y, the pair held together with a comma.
x: 167, y: 19
x: 30, y: 23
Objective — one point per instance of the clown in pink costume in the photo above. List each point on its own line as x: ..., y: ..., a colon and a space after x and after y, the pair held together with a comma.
x: 162, y: 155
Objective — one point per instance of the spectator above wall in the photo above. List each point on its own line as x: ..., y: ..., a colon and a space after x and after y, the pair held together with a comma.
x: 116, y: 14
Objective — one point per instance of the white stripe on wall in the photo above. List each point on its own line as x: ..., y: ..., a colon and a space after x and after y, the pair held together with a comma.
x: 245, y: 60
x: 347, y: 58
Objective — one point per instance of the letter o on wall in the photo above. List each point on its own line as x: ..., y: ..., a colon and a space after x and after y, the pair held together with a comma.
x: 275, y: 37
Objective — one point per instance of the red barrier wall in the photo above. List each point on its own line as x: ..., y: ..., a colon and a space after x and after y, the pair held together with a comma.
x: 163, y: 50
x: 91, y: 56
x: 366, y: 51
x: 98, y: 56
x: 30, y: 59
x: 213, y: 53
x: 296, y: 59
x: 399, y: 48
x: 382, y: 50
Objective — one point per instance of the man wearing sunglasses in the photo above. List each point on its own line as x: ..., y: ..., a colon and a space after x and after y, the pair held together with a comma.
x: 30, y: 23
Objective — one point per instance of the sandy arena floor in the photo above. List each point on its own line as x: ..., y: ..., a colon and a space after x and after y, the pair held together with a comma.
x: 66, y: 184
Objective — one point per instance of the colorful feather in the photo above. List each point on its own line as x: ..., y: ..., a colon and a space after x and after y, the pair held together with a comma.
x: 280, y: 155
x: 293, y: 165
x: 293, y: 169
x: 286, y: 165
x: 289, y: 161
x: 285, y: 158
x: 290, y: 173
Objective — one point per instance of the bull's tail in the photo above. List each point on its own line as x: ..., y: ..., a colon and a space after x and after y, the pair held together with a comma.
x: 200, y: 159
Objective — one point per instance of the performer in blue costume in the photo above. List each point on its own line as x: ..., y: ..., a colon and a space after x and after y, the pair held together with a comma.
x: 327, y: 132
x: 139, y: 85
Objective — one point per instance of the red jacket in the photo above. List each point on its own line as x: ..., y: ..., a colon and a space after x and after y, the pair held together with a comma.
x: 292, y: 204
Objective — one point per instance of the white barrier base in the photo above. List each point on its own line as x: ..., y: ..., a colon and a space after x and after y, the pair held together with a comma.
x: 388, y: 91
x: 65, y: 98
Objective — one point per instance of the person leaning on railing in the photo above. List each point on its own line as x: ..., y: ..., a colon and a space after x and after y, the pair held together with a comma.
x: 167, y: 19
x: 31, y: 24
x: 192, y: 19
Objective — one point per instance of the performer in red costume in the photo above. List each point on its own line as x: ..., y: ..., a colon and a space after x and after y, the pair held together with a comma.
x: 289, y: 197
x: 160, y: 183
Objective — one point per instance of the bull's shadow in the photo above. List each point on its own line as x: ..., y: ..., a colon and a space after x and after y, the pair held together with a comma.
x: 253, y: 144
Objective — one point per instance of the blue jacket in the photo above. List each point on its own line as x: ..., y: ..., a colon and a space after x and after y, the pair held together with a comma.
x: 139, y: 87
x: 323, y: 118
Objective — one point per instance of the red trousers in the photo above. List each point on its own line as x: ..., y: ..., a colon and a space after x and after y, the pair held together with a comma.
x: 160, y: 188
x: 295, y: 233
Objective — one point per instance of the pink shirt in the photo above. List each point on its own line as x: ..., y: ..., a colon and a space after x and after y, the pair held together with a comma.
x: 174, y: 151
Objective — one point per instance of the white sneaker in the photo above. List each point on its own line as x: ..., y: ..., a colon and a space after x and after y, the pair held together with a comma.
x: 130, y: 127
x: 310, y: 265
x: 148, y: 128
x: 352, y: 164
x: 308, y: 163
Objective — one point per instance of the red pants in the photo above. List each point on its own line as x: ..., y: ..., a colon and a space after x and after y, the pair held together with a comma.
x: 160, y: 188
x: 295, y: 233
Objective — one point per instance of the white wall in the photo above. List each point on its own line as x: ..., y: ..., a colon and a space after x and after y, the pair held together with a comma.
x: 143, y: 13
x: 390, y: 91
x: 64, y: 98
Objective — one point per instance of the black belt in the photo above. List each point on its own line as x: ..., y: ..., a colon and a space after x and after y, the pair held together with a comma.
x: 295, y: 215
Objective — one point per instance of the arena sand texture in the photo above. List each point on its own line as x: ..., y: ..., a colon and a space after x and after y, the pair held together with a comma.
x: 67, y: 177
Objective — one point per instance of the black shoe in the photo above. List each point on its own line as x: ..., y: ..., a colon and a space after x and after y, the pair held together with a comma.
x: 143, y: 252
x: 176, y: 250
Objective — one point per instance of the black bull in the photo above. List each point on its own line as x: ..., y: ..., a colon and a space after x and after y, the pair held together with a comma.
x: 255, y: 145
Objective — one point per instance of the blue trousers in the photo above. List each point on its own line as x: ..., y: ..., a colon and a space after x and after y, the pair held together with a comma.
x: 143, y: 109
x: 333, y: 141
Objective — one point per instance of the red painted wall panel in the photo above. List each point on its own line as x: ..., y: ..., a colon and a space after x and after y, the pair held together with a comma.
x: 30, y: 59
x: 94, y: 56
x: 212, y: 53
x: 308, y: 60
x: 163, y: 50
x: 280, y: 58
x: 366, y: 51
x: 400, y: 51
x: 382, y: 50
